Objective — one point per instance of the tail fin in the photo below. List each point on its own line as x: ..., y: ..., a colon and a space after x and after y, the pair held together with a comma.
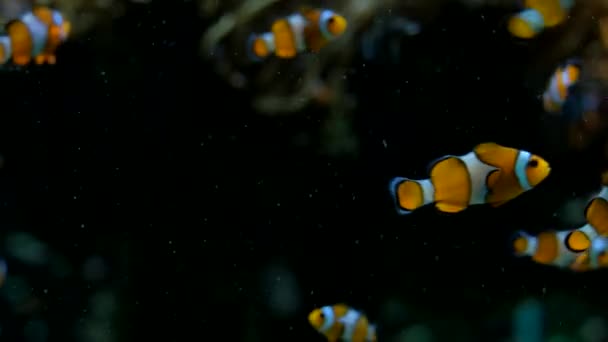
x: 409, y: 195
x: 523, y: 244
x: 5, y: 49
x: 250, y: 47
x: 260, y: 46
x: 526, y: 24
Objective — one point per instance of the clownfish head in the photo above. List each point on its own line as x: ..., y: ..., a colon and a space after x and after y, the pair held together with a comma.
x: 322, y: 319
x: 331, y: 24
x: 536, y: 170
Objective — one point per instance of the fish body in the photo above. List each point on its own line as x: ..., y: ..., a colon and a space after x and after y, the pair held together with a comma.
x: 571, y: 248
x: 538, y: 15
x: 35, y: 35
x: 490, y: 174
x: 342, y: 323
x: 306, y: 31
x: 559, y: 85
x: 557, y: 248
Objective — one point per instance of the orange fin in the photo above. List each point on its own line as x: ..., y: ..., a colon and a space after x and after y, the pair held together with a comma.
x: 496, y: 204
x: 596, y: 214
x: 495, y: 155
x: 492, y: 178
x: 581, y: 263
x: 452, y: 183
x: 451, y: 208
x: 306, y: 10
x: 285, y: 42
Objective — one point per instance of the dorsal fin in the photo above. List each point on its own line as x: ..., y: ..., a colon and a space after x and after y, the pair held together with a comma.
x: 304, y: 9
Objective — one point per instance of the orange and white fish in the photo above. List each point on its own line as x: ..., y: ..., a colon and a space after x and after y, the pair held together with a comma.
x: 342, y: 323
x: 491, y: 174
x: 567, y: 248
x: 556, y: 248
x: 559, y: 84
x: 309, y: 30
x: 538, y: 15
x: 36, y: 34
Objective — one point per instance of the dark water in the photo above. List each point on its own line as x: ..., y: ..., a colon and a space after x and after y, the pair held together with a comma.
x: 138, y: 139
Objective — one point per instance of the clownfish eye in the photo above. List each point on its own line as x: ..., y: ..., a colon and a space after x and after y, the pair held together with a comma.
x: 533, y: 163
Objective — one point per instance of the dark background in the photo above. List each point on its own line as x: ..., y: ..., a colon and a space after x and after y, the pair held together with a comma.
x: 173, y: 166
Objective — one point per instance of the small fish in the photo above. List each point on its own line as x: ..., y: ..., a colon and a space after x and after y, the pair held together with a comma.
x: 567, y: 248
x: 560, y: 83
x: 556, y: 248
x: 36, y: 34
x: 537, y: 16
x: 491, y: 174
x: 341, y: 323
x: 309, y: 30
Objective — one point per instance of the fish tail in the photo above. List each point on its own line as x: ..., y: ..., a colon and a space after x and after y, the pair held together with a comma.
x: 5, y: 49
x: 250, y: 46
x: 260, y: 46
x: 409, y: 195
x: 526, y: 24
x: 523, y: 244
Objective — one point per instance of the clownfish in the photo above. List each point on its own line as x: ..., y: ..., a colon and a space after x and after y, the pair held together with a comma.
x: 538, y: 15
x: 556, y: 248
x: 309, y: 30
x: 567, y: 248
x: 559, y: 85
x: 491, y: 174
x: 36, y: 34
x: 341, y: 323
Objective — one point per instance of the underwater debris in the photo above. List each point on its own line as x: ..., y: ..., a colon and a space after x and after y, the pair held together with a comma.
x: 387, y: 30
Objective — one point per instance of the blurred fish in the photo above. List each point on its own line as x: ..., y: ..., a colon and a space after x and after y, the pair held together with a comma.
x: 36, y: 34
x: 537, y: 16
x: 389, y: 30
x: 559, y: 84
x: 567, y: 248
x: 308, y: 30
x: 341, y: 323
x: 491, y: 174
